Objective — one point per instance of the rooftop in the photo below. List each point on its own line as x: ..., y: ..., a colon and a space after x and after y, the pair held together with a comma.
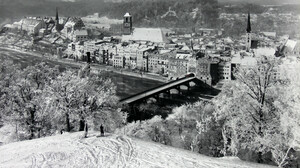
x: 145, y: 34
x: 81, y: 33
x: 127, y: 15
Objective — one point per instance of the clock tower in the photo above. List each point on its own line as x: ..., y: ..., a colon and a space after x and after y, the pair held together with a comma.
x: 127, y: 24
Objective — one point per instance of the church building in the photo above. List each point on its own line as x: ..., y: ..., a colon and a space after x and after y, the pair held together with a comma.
x: 155, y: 35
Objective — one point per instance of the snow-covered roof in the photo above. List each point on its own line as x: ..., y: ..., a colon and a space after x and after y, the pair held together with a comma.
x: 185, y: 48
x: 244, y: 61
x: 228, y: 40
x: 30, y: 22
x: 269, y: 34
x: 145, y: 34
x: 290, y: 44
x: 164, y: 51
x: 9, y: 26
x: 264, y: 51
x: 81, y: 33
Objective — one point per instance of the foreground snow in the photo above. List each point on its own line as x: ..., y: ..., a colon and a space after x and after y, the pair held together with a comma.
x: 70, y: 150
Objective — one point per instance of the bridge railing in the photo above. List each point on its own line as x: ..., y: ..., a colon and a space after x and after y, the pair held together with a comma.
x: 188, y: 76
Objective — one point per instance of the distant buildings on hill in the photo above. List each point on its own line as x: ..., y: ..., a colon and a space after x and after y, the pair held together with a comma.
x: 170, y: 53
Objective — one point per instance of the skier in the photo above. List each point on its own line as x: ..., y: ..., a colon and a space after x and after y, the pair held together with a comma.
x: 102, y: 130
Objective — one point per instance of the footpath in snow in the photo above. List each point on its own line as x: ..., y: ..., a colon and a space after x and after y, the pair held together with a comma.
x: 70, y: 150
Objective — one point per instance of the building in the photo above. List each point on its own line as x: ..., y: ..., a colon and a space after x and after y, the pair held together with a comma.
x: 71, y: 25
x: 178, y: 67
x: 95, y: 47
x: 80, y: 35
x: 30, y: 25
x: 118, y: 61
x: 224, y: 70
x: 203, y: 70
x: 142, y: 58
x: 192, y: 65
x: 291, y: 48
x: 158, y: 63
x: 75, y: 50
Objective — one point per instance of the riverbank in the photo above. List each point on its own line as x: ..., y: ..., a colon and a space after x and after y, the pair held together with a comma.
x: 95, y: 67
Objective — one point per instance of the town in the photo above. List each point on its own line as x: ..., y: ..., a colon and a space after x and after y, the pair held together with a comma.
x: 159, y: 53
x: 152, y: 83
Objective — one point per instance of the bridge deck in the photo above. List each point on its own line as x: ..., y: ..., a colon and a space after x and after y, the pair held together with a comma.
x: 158, y: 89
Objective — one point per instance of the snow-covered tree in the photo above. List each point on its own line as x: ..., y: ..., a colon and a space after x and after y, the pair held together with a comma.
x: 288, y: 108
x: 8, y: 76
x: 196, y: 128
x: 97, y: 99
x: 66, y: 92
x: 249, y: 111
x: 22, y: 99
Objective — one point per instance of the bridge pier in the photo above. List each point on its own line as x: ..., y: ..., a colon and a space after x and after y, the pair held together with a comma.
x: 168, y: 93
x: 178, y: 89
x: 156, y: 97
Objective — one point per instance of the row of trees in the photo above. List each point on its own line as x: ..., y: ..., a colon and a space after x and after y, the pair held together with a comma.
x: 190, y: 127
x: 40, y: 100
x: 256, y: 117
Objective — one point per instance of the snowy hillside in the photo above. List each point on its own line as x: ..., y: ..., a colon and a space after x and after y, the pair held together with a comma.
x: 70, y: 150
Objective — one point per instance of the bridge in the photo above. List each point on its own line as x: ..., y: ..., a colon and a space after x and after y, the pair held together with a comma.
x: 165, y: 88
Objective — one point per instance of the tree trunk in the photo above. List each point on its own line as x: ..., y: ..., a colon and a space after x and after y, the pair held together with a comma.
x: 31, y: 132
x: 32, y: 129
x: 260, y: 133
x: 17, y: 132
x: 259, y: 159
x: 68, y: 123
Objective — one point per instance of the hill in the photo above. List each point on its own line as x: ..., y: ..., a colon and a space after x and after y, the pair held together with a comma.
x: 70, y: 150
x: 148, y: 13
x: 262, y: 2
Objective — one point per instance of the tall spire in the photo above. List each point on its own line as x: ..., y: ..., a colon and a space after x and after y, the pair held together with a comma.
x: 248, y: 24
x: 56, y: 18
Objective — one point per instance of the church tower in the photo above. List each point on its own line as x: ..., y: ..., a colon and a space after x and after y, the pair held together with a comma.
x: 248, y: 30
x: 127, y: 24
x: 56, y: 20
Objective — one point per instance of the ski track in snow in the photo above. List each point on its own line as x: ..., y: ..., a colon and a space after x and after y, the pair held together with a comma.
x: 70, y: 150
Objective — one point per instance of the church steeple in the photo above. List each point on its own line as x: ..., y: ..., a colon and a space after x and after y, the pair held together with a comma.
x: 249, y: 38
x: 56, y: 18
x: 248, y: 24
x: 58, y: 27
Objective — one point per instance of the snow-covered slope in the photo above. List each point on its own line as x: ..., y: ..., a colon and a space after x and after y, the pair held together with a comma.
x: 70, y: 150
